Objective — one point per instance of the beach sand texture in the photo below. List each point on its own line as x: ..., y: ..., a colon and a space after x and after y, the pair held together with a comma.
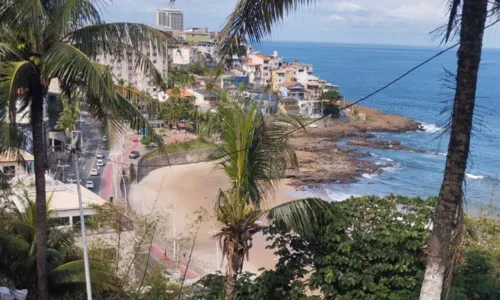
x: 186, y: 189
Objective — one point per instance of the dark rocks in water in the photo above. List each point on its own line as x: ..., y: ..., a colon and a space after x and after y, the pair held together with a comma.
x: 387, y: 145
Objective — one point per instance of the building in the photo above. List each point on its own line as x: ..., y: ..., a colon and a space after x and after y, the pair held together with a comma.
x: 16, y: 164
x: 235, y: 77
x: 278, y: 77
x: 204, y: 100
x: 314, y: 89
x: 196, y: 35
x: 124, y: 68
x: 64, y: 199
x: 183, y: 94
x: 254, y: 72
x: 184, y: 55
x: 293, y: 89
x: 267, y: 101
x: 302, y: 71
x: 170, y: 17
x: 263, y: 62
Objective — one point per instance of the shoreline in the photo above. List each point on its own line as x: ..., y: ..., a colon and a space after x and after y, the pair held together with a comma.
x: 322, y: 160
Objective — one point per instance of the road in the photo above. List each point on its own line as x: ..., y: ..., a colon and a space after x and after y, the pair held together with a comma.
x: 92, y: 144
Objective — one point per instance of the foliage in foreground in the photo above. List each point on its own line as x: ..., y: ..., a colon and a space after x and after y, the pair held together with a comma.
x: 371, y: 248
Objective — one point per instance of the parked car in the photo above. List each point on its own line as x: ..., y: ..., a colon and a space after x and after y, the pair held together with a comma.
x: 104, y: 138
x: 134, y: 154
x: 100, y: 162
x: 89, y: 184
x: 73, y: 180
x: 99, y: 155
x: 94, y: 172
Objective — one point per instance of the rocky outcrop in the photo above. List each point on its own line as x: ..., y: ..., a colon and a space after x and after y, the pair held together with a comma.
x: 388, y: 145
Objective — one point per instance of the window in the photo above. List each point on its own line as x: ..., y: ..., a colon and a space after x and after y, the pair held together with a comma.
x: 76, y: 219
x: 60, y: 221
x: 154, y: 61
x: 9, y: 171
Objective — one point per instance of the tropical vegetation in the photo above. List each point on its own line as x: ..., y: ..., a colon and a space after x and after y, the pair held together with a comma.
x: 68, y: 117
x: 254, y: 154
x: 367, y: 248
x: 66, y: 272
x: 43, y: 41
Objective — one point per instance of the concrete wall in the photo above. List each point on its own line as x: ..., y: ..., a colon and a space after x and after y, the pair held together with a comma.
x: 179, y: 158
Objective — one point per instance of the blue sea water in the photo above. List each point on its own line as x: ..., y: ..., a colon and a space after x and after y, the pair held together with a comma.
x: 422, y: 95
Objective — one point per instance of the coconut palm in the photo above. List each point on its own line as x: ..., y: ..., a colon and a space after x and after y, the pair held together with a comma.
x: 68, y: 117
x: 43, y: 40
x: 65, y: 267
x: 255, y: 155
x: 449, y: 202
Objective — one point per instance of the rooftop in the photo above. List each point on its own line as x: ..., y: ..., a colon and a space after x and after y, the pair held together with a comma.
x: 16, y: 156
x: 290, y: 84
x: 183, y: 93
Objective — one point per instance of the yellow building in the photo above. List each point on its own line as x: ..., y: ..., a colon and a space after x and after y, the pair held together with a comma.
x: 282, y: 75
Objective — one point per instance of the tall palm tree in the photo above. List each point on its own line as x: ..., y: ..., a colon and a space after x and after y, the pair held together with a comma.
x: 255, y: 155
x: 41, y: 40
x: 449, y: 203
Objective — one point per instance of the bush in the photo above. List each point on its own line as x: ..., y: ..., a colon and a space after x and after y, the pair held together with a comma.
x: 146, y: 140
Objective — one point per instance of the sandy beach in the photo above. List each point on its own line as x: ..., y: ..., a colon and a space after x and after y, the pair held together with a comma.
x: 179, y: 192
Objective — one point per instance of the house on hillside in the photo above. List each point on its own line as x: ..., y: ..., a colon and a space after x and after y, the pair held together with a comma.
x: 16, y: 164
x: 184, y: 55
x: 181, y: 94
x: 205, y: 100
x: 293, y: 89
x: 236, y: 77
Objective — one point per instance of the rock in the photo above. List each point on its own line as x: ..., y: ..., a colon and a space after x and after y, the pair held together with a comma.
x: 378, y: 144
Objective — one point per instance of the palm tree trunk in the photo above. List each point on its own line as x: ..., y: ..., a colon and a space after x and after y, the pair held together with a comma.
x: 41, y: 204
x: 234, y: 263
x: 450, y: 196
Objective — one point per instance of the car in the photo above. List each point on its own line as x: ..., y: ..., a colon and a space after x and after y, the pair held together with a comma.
x: 82, y: 120
x: 99, y: 155
x: 134, y: 154
x: 94, y: 172
x: 104, y: 138
x: 89, y: 184
x: 100, y: 163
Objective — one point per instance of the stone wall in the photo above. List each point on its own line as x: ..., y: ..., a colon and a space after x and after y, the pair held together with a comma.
x: 144, y: 166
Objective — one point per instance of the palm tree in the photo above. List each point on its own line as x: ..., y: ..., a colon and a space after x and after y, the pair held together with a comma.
x: 449, y: 203
x: 66, y: 270
x: 255, y: 155
x: 42, y: 40
x: 68, y: 117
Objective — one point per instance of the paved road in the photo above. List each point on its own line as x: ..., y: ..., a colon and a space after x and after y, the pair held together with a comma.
x: 92, y: 145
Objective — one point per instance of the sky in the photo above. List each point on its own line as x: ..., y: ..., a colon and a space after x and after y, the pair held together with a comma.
x: 399, y: 22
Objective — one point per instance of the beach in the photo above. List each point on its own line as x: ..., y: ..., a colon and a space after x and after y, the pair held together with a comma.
x: 178, y: 193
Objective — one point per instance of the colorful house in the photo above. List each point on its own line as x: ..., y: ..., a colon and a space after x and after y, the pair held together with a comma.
x: 293, y: 89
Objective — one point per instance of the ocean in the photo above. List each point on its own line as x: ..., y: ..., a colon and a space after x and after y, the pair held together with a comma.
x: 422, y: 95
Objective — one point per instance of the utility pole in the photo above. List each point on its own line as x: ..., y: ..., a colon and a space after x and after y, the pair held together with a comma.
x: 75, y: 153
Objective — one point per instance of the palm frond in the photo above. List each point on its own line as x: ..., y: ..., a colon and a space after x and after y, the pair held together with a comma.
x: 300, y: 215
x: 452, y: 18
x: 252, y: 20
x: 8, y: 52
x: 73, y: 14
x: 14, y: 86
x: 73, y: 68
x: 73, y: 273
x: 24, y: 13
x: 254, y: 152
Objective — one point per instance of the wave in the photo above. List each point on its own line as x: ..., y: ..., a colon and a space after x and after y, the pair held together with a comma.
x: 431, y: 128
x: 368, y: 176
x: 391, y: 168
x: 386, y: 159
x: 472, y: 176
x: 339, y: 196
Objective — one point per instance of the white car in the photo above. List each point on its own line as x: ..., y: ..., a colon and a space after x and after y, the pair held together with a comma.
x: 104, y: 138
x: 71, y: 180
x: 89, y: 184
x: 99, y: 155
x: 100, y: 163
x: 94, y: 172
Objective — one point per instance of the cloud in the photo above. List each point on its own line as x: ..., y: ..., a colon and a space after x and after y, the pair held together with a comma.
x: 335, y: 17
x: 347, y: 7
x: 421, y: 13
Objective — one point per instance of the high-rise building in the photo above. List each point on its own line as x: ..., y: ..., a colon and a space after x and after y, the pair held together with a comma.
x: 170, y: 17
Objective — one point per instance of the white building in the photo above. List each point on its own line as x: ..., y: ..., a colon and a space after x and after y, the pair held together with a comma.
x: 16, y: 165
x: 303, y: 71
x: 184, y: 55
x: 124, y: 68
x: 170, y: 17
x: 64, y: 198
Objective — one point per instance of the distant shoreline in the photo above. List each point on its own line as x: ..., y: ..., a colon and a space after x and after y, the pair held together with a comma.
x: 322, y: 160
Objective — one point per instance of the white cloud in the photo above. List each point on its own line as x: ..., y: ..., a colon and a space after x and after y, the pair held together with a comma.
x: 421, y: 13
x: 347, y: 7
x: 334, y: 17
